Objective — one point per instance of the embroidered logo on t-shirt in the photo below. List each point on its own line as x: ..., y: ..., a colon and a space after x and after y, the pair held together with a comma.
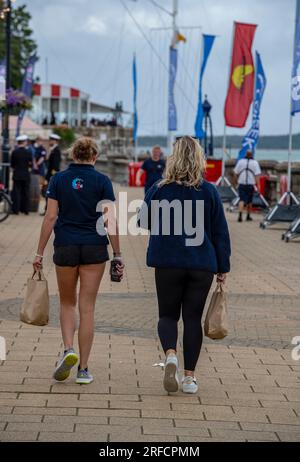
x: 77, y: 183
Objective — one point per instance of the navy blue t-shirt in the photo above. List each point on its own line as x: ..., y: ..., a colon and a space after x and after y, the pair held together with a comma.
x: 154, y: 171
x: 78, y: 189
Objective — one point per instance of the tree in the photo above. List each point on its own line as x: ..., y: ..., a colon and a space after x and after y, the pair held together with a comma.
x: 22, y: 43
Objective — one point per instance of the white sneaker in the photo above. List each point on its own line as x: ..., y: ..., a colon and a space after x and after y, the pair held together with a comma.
x: 171, y: 382
x: 189, y: 384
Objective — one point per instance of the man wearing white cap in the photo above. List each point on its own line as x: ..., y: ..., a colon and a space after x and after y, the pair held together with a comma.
x: 54, y: 156
x: 21, y: 162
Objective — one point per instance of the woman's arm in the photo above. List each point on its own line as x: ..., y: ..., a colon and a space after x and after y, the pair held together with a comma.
x: 46, y: 230
x: 139, y: 176
x: 220, y: 237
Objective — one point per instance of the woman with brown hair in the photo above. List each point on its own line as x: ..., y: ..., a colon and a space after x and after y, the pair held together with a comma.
x: 80, y: 249
x: 189, y: 243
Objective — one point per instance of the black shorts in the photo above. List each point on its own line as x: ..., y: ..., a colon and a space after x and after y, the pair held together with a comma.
x: 246, y: 192
x: 75, y: 255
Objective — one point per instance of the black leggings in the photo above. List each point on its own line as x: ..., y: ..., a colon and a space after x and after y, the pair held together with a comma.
x: 187, y: 290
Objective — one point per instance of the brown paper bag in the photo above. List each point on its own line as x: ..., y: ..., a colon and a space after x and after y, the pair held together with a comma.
x: 35, y: 307
x: 216, y: 321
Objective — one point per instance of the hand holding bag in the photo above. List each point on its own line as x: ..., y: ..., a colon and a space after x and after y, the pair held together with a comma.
x: 216, y: 321
x: 35, y: 307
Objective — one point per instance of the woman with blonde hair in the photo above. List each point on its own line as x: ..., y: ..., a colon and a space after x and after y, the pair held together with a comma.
x: 189, y: 243
x: 80, y: 249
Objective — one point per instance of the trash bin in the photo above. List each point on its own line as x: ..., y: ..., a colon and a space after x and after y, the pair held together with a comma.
x: 133, y: 168
x: 213, y: 169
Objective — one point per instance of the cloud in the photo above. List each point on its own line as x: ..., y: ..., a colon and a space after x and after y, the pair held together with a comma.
x: 94, y: 25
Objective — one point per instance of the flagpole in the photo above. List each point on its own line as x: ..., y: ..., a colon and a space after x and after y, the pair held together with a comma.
x: 174, y: 28
x: 223, y: 180
x: 5, y: 118
x: 223, y: 153
x: 289, y: 185
x: 289, y: 194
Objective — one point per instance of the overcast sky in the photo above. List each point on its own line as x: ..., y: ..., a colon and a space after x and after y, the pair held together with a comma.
x: 90, y: 43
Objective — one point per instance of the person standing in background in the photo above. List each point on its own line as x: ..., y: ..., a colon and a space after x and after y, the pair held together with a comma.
x: 154, y: 168
x: 54, y: 158
x: 53, y: 161
x: 248, y: 172
x: 40, y: 155
x: 21, y: 162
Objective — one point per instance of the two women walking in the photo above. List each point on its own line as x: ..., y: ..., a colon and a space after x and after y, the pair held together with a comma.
x: 184, y: 266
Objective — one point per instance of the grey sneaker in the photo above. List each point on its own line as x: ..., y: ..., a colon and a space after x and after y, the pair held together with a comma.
x: 84, y: 376
x: 189, y: 384
x: 65, y: 365
x: 171, y: 382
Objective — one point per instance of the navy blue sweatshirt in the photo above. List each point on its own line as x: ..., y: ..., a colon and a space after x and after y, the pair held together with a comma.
x: 210, y: 251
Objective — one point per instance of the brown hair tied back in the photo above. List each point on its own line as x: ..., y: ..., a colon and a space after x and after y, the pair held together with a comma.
x: 84, y: 149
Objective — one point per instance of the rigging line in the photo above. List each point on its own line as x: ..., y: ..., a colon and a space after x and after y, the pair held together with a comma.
x: 60, y: 62
x: 157, y: 5
x: 123, y: 69
x: 158, y: 12
x: 101, y: 64
x: 119, y: 52
x: 222, y: 62
x: 153, y: 49
x: 189, y: 52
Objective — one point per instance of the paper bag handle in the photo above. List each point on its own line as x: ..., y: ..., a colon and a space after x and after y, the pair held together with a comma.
x: 40, y: 273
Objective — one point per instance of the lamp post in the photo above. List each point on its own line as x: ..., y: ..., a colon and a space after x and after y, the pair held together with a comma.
x: 6, y: 14
x: 208, y: 142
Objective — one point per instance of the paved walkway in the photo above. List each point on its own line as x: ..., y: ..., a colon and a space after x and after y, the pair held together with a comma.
x: 249, y: 384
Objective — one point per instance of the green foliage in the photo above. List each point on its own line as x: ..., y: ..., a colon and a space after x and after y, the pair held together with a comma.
x: 67, y: 135
x: 22, y: 43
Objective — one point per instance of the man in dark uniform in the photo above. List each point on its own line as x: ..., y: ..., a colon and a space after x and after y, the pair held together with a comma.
x: 54, y: 158
x: 40, y: 155
x: 21, y: 162
x: 53, y: 161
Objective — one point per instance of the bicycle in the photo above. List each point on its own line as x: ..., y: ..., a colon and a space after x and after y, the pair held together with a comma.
x: 5, y: 204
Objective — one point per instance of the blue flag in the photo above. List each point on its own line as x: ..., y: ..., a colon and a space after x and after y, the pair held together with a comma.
x: 26, y: 88
x: 172, y: 120
x: 295, y: 102
x: 135, y: 116
x: 251, y: 139
x: 208, y: 41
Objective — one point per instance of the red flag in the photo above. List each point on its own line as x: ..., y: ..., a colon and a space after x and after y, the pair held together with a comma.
x: 241, y: 84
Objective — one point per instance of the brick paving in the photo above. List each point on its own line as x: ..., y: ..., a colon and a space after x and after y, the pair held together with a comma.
x: 249, y: 383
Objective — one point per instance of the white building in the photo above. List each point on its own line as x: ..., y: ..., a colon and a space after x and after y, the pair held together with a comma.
x: 57, y: 104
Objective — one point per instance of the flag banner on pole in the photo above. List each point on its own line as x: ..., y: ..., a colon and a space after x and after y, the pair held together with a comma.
x: 3, y: 80
x: 241, y: 84
x: 26, y: 88
x: 135, y: 116
x: 295, y: 103
x: 208, y: 41
x: 172, y: 119
x: 251, y: 139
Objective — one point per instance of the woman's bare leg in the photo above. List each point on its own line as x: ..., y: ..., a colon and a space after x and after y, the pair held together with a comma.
x: 90, y: 278
x: 67, y: 278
